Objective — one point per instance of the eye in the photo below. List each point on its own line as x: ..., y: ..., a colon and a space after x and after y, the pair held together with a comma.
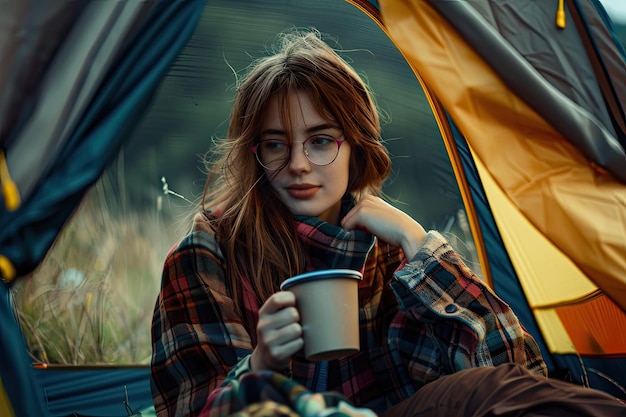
x: 321, y: 140
x: 271, y: 145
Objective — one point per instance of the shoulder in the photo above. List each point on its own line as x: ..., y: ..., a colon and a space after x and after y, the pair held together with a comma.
x: 201, y: 236
x: 198, y: 252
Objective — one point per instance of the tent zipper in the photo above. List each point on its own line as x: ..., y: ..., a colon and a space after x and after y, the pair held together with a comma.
x: 560, y: 15
x: 9, y: 190
x: 12, y: 202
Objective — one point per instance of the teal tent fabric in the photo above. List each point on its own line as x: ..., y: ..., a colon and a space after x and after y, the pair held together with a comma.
x: 27, y: 233
x: 103, y: 391
x: 16, y: 371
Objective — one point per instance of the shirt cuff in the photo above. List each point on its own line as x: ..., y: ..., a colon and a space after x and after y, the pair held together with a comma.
x: 242, y: 367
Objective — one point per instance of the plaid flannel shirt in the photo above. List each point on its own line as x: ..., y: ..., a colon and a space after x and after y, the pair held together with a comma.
x: 419, y: 320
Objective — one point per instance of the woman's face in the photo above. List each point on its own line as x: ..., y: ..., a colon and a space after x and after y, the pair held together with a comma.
x: 306, y: 188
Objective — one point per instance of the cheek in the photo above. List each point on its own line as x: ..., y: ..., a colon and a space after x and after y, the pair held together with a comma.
x: 342, y: 174
x: 356, y: 171
x: 345, y: 172
x: 348, y: 163
x: 352, y: 174
x: 272, y: 177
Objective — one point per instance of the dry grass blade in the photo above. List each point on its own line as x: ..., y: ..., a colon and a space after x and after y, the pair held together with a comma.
x: 91, y: 299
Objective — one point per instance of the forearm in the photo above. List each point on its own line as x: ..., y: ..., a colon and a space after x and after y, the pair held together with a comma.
x: 196, y: 338
x: 220, y: 400
x: 182, y: 375
x: 438, y: 289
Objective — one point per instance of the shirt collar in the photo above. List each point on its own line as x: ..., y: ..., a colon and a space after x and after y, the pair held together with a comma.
x: 330, y: 246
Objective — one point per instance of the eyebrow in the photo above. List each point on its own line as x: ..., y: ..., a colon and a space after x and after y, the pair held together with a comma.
x: 312, y: 129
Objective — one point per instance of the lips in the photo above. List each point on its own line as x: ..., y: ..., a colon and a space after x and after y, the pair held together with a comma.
x: 302, y: 191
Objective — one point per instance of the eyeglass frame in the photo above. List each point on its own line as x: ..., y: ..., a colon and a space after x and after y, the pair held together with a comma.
x: 254, y: 149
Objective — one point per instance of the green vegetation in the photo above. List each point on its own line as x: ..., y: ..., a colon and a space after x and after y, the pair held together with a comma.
x: 91, y: 300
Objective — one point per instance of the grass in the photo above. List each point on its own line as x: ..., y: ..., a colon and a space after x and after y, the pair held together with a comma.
x: 91, y: 300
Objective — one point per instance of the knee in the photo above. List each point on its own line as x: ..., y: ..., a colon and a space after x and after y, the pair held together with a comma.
x: 511, y: 368
x: 505, y: 370
x: 505, y: 375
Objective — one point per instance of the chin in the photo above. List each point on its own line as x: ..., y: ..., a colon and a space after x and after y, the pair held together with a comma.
x: 307, y: 212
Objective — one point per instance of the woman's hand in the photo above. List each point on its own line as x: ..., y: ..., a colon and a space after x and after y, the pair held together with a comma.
x: 387, y: 223
x: 279, y: 333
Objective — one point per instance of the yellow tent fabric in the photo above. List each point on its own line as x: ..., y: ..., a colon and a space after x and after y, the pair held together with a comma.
x: 569, y: 308
x: 561, y: 219
x: 5, y: 405
x: 578, y: 207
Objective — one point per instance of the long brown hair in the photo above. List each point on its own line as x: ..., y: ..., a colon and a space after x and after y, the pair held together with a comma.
x: 254, y: 228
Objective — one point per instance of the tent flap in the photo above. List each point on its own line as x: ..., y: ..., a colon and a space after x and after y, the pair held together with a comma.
x: 79, y: 116
x: 536, y: 112
x: 86, y: 114
x: 564, y: 90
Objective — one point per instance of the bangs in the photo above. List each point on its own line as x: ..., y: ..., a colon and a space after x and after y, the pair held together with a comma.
x: 287, y: 98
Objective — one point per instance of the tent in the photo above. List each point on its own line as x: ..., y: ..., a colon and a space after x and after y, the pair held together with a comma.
x: 528, y: 98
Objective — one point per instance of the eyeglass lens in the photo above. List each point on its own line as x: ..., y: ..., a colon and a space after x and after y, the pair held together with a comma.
x: 319, y: 150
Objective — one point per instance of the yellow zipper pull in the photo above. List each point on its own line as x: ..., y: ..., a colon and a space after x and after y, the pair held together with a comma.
x: 560, y: 15
x: 7, y: 270
x: 10, y: 192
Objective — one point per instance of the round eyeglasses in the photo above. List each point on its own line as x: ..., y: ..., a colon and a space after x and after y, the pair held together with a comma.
x: 274, y: 154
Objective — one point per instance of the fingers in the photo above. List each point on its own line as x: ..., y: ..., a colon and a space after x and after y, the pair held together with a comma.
x: 280, y: 328
x: 351, y: 220
x: 374, y: 215
x: 278, y: 301
x: 279, y: 333
x: 282, y: 344
x: 386, y: 222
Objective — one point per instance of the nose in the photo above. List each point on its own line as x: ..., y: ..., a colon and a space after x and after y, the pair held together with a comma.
x: 298, y: 161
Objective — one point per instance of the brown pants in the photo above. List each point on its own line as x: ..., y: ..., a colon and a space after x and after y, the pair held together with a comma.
x: 505, y: 391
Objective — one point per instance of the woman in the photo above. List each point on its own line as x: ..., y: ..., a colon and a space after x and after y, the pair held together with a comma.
x: 297, y: 189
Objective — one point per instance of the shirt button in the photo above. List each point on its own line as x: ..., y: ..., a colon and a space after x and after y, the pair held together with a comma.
x: 451, y: 308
